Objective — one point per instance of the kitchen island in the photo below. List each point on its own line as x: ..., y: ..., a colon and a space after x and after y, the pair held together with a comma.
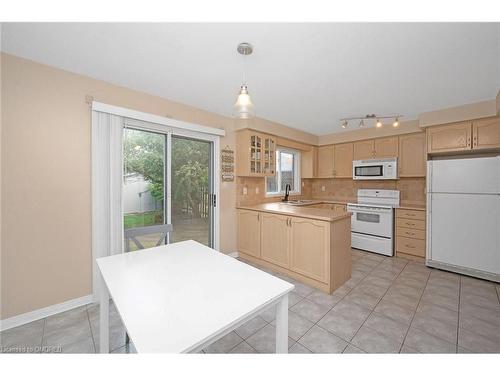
x: 310, y: 244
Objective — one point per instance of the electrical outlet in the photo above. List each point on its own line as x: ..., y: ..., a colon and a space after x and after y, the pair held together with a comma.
x: 323, y: 188
x: 245, y: 190
x: 257, y: 190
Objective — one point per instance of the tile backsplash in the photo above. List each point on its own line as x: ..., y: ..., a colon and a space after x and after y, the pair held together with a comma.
x: 412, y: 189
x: 256, y: 191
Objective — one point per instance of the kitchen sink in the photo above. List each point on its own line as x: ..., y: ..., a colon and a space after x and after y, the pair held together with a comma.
x: 298, y: 202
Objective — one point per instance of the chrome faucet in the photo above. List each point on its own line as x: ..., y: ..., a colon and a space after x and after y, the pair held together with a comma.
x: 287, y: 192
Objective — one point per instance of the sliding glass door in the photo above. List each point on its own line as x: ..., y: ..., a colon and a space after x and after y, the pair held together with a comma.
x: 167, y: 179
x: 192, y: 192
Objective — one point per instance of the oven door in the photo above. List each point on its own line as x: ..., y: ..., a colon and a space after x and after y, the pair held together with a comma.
x: 374, y: 221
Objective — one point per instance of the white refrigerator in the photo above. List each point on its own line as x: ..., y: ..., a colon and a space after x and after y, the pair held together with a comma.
x: 463, y: 216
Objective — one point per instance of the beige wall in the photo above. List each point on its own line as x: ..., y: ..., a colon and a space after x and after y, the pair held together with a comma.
x: 46, y: 206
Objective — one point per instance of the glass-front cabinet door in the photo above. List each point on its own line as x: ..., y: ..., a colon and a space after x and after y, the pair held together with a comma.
x: 256, y: 154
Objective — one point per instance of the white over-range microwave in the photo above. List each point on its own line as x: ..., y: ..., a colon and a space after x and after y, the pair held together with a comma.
x: 375, y: 169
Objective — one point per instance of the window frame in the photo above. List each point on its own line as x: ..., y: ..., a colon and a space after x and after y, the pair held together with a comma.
x: 296, y: 172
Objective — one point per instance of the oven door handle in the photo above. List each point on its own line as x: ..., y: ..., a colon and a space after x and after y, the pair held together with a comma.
x: 369, y: 210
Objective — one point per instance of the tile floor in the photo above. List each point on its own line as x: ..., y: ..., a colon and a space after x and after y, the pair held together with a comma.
x: 390, y: 305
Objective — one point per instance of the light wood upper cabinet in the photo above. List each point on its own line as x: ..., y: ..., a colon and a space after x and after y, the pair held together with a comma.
x: 376, y: 148
x: 449, y: 138
x: 274, y: 239
x: 309, y: 248
x: 309, y: 163
x: 342, y: 160
x: 386, y: 147
x: 255, y: 154
x: 363, y: 150
x: 412, y: 155
x: 249, y: 232
x: 325, y: 161
x: 486, y: 133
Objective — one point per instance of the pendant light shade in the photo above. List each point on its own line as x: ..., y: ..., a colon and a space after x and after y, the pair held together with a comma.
x: 243, y: 108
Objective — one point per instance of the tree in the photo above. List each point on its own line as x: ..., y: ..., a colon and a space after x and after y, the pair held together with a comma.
x: 144, y: 153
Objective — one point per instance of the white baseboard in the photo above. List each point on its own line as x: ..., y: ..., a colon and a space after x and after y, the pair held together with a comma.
x: 234, y: 254
x: 44, y: 312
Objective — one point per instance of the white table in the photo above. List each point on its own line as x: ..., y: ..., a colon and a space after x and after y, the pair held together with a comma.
x: 182, y: 297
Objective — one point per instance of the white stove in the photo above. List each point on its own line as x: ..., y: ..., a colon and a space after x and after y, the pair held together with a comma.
x: 372, y: 221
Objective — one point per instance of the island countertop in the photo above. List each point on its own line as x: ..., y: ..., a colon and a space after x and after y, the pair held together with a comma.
x: 298, y: 211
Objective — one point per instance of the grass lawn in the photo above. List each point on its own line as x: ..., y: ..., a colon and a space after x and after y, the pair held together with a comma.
x: 143, y: 219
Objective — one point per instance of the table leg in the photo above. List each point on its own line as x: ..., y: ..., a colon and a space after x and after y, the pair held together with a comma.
x: 104, y: 318
x: 282, y: 325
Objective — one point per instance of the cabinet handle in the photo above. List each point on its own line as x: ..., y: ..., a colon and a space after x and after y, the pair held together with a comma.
x: 411, y: 224
x: 258, y: 217
x: 410, y: 233
x: 475, y: 141
x: 410, y: 246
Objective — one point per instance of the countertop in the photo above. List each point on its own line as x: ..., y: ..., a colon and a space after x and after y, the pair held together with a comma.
x: 418, y: 207
x: 406, y: 206
x: 299, y: 211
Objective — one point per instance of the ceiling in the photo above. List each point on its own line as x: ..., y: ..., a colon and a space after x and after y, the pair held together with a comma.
x: 306, y: 76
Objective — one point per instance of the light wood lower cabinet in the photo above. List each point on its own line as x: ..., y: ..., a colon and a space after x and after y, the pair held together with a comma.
x: 315, y: 252
x: 274, y: 239
x: 249, y: 232
x: 309, y: 248
x: 410, y: 233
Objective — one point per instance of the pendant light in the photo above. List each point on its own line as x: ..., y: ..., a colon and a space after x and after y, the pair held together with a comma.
x: 378, y: 124
x: 243, y: 108
x: 395, y: 123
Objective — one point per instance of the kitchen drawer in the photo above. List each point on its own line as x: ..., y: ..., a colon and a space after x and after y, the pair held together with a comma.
x: 410, y: 223
x: 410, y: 214
x: 410, y: 246
x: 410, y: 233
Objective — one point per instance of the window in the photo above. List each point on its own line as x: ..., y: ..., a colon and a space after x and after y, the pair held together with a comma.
x: 287, y: 172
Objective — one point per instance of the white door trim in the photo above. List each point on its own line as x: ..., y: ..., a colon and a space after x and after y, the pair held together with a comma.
x: 155, y: 119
